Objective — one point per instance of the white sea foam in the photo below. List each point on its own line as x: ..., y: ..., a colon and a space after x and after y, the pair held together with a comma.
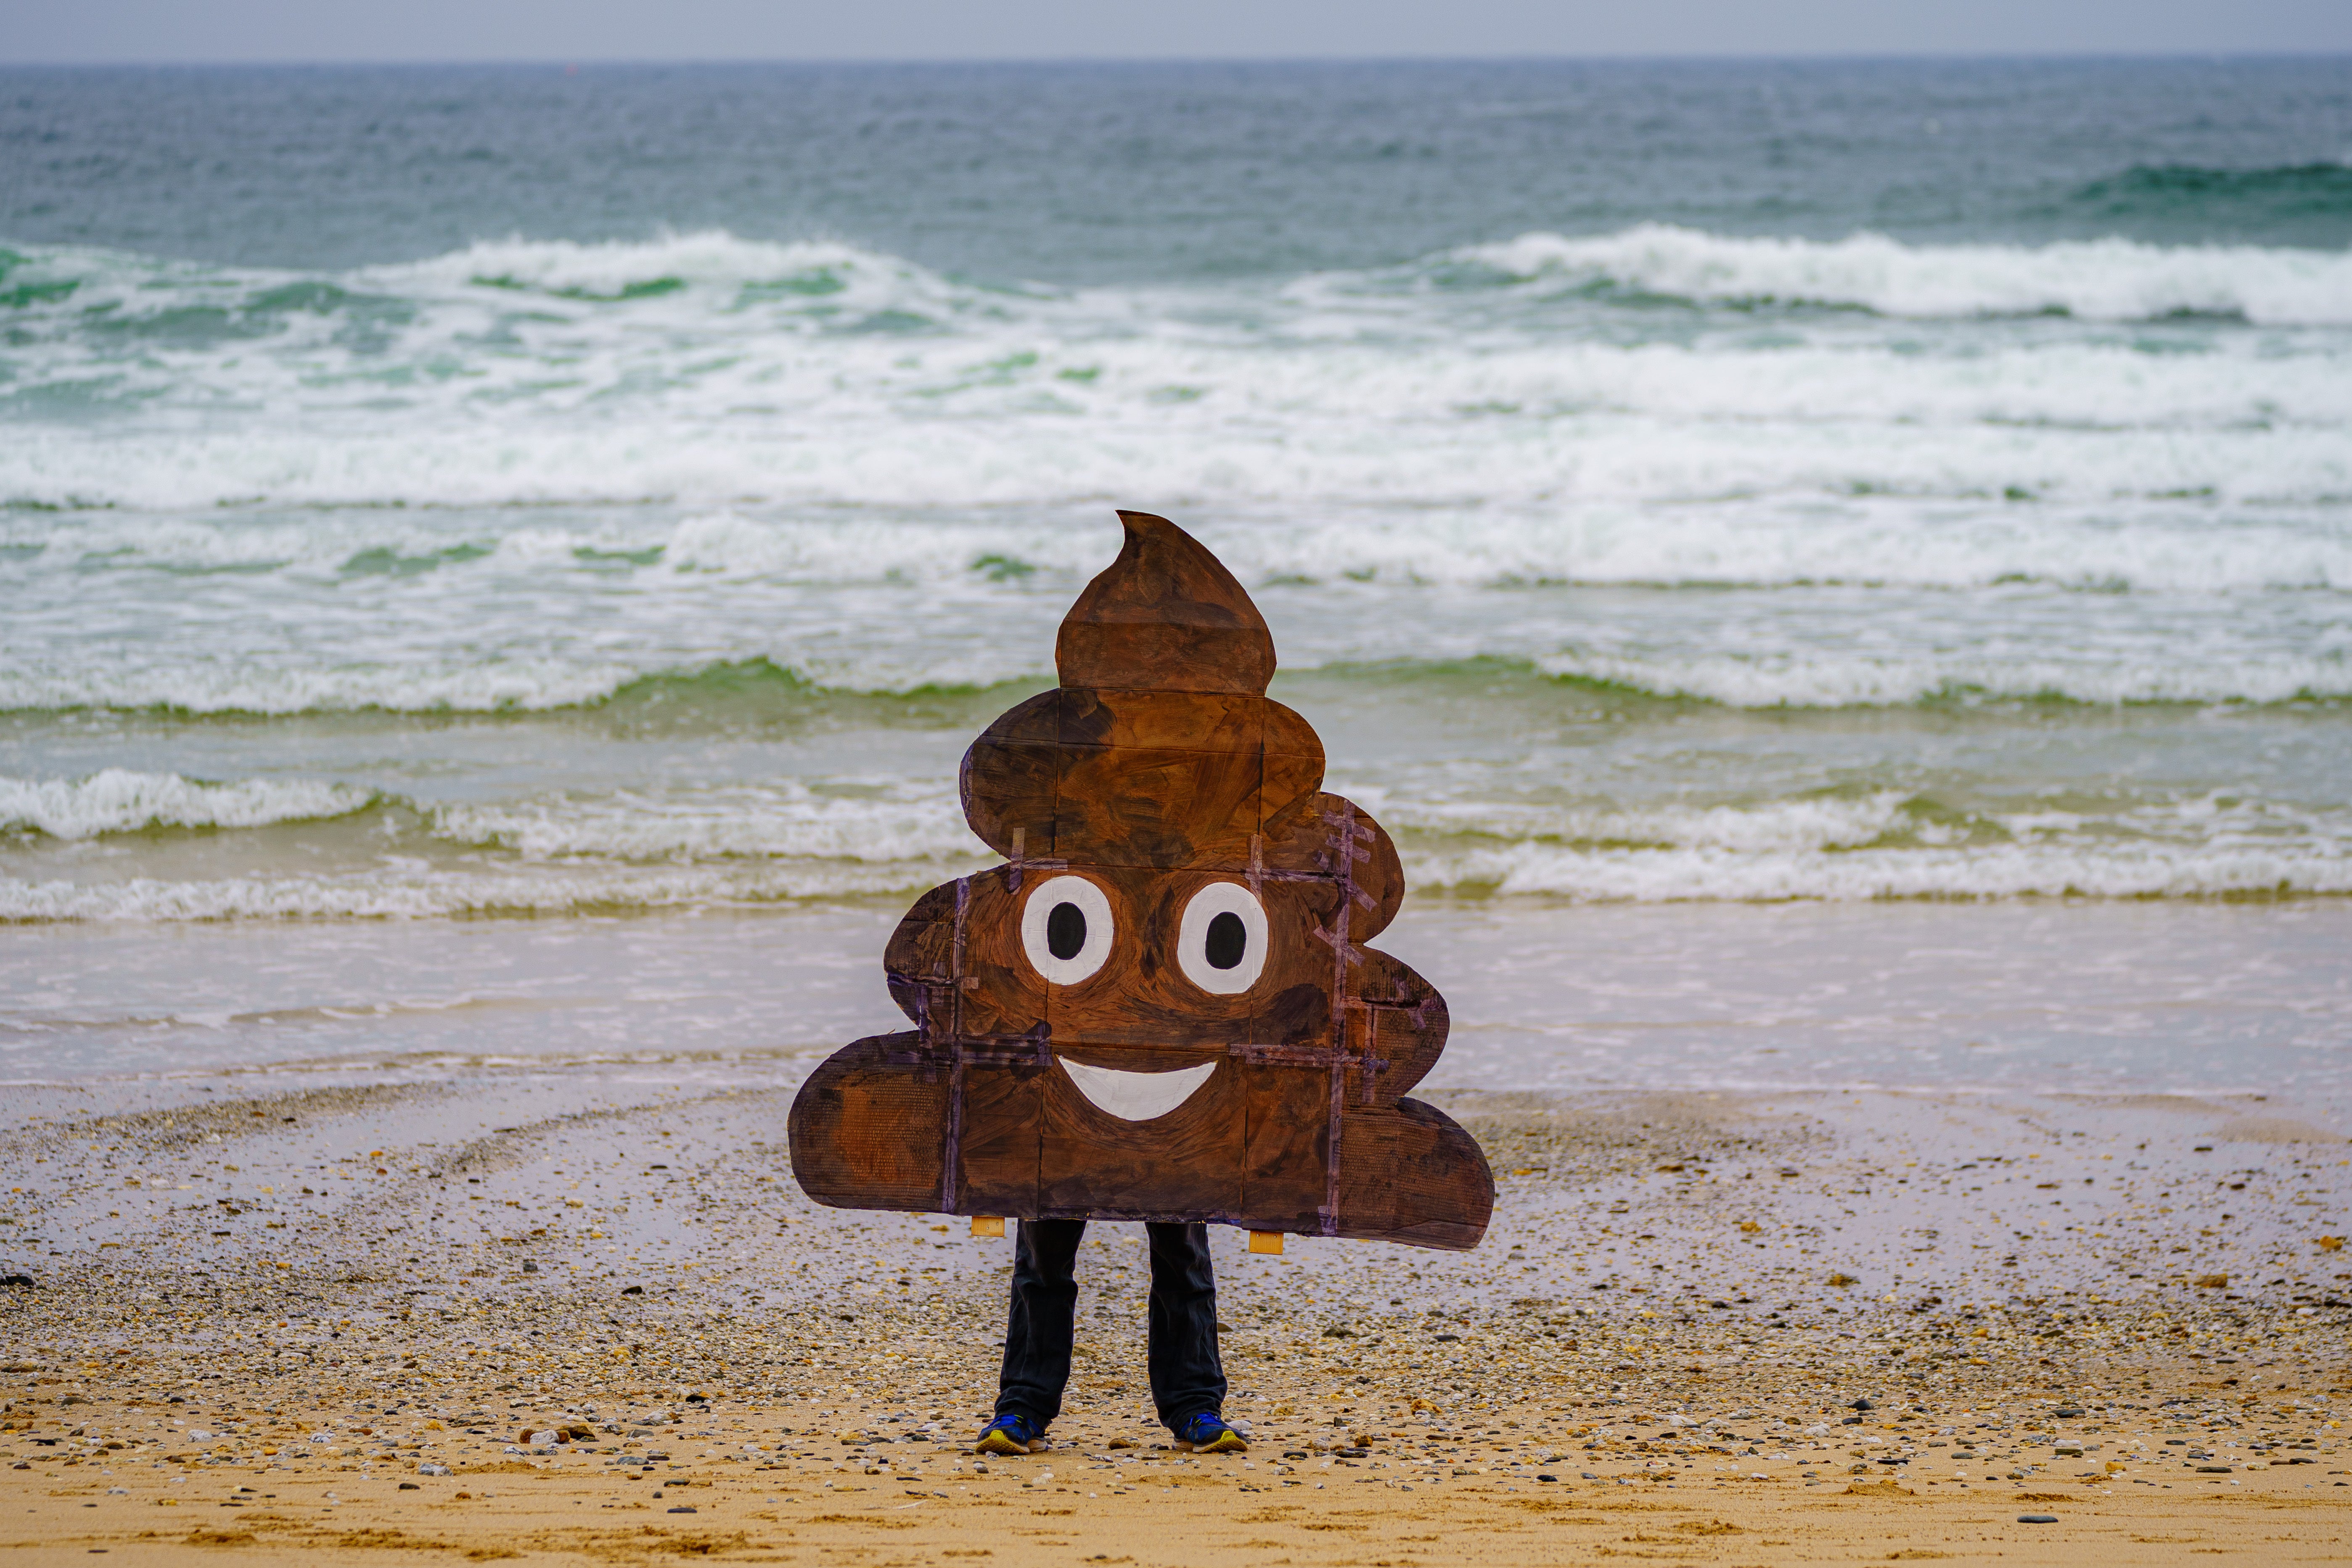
x: 117, y: 800
x: 1815, y: 823
x: 1889, y: 819
x: 1774, y: 680
x: 880, y: 821
x: 1762, y: 656
x: 645, y: 273
x: 704, y: 369
x: 2002, y: 871
x: 218, y: 686
x: 890, y: 823
x: 1348, y: 428
x: 1887, y: 844
x: 429, y: 894
x: 2188, y: 545
x: 1851, y: 680
x: 1324, y: 460
x: 2105, y: 280
x: 405, y: 612
x: 1639, y: 876
x: 748, y: 844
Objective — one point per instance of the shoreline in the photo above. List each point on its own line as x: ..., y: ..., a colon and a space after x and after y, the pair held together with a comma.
x: 1560, y: 998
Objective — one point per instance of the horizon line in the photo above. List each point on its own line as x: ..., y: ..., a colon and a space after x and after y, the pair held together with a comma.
x: 581, y: 62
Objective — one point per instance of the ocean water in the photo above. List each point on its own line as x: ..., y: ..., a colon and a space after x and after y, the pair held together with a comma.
x: 484, y: 509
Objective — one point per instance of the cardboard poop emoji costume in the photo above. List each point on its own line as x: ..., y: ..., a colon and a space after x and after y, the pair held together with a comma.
x: 1160, y: 1007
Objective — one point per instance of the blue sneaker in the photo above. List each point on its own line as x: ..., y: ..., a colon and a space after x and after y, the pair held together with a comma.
x: 1010, y: 1435
x: 1208, y: 1434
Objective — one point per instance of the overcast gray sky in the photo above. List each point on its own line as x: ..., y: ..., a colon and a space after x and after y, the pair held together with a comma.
x: 323, y: 30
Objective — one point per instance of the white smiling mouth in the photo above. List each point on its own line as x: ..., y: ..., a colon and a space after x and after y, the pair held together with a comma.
x: 1136, y: 1096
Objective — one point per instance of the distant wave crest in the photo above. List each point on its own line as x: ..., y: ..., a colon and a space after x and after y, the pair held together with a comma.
x: 2103, y: 279
x: 705, y: 369
x: 2313, y: 199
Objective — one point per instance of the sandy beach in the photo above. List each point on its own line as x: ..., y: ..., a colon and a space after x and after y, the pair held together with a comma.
x: 316, y: 1326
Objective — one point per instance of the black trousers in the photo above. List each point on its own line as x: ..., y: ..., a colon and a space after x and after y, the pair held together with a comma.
x: 1187, y: 1374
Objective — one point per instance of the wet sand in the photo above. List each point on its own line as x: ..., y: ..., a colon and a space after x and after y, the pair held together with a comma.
x: 295, y: 1310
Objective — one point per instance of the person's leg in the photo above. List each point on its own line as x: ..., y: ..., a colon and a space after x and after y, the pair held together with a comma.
x: 1037, y: 1330
x: 1188, y: 1376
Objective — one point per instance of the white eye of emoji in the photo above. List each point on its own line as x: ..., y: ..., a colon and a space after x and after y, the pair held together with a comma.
x: 1221, y: 945
x: 1065, y: 928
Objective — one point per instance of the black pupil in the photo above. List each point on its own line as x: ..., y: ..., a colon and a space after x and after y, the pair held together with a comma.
x: 1065, y: 931
x: 1228, y: 940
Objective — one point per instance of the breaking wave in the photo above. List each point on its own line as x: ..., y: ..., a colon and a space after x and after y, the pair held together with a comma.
x: 1700, y: 875
x: 118, y: 800
x: 881, y: 820
x: 705, y: 369
x: 883, y: 824
x: 759, y: 690
x: 2102, y: 279
x: 1895, y: 845
x: 748, y: 846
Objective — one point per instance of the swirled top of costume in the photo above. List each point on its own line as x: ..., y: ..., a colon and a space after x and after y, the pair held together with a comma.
x: 1160, y: 746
